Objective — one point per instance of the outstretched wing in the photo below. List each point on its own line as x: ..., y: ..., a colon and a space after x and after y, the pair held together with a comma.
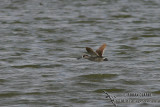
x: 100, y: 50
x: 91, y: 52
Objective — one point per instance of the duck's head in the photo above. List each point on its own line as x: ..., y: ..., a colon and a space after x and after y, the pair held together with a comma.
x: 85, y: 56
x: 105, y: 59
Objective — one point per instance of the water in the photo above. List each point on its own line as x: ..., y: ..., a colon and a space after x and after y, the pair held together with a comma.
x: 40, y: 42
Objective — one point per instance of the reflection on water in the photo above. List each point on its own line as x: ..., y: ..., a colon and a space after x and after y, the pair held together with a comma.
x: 41, y: 41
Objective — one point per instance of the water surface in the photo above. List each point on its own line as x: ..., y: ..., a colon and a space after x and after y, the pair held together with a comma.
x: 41, y: 41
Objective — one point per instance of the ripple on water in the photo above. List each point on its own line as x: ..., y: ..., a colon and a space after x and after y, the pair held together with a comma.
x: 54, y: 30
x: 156, y: 92
x: 9, y: 94
x: 58, y: 41
x: 37, y: 66
x: 2, y: 81
x: 39, y: 93
x: 151, y: 29
x: 132, y: 82
x: 19, y: 22
x: 127, y: 47
x: 89, y: 21
x: 77, y: 100
x: 47, y: 30
x: 122, y: 16
x: 97, y: 77
x: 113, y: 90
x: 149, y: 35
x: 43, y: 18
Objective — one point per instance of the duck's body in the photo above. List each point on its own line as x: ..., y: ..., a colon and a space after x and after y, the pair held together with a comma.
x: 96, y: 59
x: 95, y: 56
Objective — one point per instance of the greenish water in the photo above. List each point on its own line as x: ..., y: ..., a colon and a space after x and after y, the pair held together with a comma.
x: 40, y: 42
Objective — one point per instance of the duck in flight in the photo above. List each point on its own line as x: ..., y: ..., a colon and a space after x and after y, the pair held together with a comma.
x: 95, y: 56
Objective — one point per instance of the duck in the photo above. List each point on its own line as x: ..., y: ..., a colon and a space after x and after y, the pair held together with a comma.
x: 97, y: 55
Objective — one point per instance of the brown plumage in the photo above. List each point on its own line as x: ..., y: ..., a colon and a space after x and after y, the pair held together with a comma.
x: 96, y: 56
x: 100, y: 50
x: 91, y: 52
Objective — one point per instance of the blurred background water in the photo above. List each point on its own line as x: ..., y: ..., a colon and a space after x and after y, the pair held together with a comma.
x: 40, y: 41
